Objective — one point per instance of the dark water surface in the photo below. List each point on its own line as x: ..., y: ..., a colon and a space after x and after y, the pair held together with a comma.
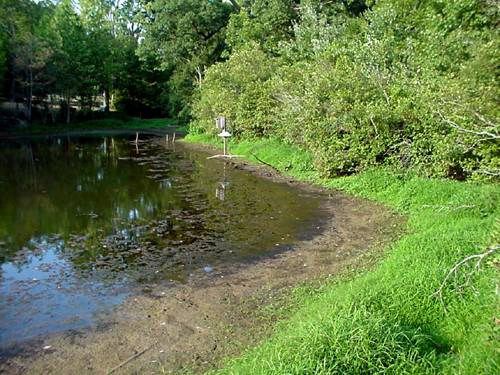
x: 85, y: 222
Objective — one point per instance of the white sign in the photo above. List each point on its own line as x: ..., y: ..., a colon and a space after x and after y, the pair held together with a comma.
x: 220, y: 122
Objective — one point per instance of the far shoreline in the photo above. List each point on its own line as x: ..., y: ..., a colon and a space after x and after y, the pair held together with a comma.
x: 101, y: 127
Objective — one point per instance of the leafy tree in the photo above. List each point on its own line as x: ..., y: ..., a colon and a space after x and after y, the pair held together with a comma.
x: 24, y: 51
x: 3, y: 55
x: 96, y: 16
x: 266, y: 22
x: 31, y: 56
x: 184, y: 37
x: 71, y: 55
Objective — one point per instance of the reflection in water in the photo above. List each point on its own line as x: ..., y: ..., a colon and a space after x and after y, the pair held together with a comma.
x: 85, y: 221
x: 220, y: 190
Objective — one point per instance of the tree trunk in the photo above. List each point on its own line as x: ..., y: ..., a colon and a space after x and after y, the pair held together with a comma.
x: 68, y: 109
x: 199, y: 76
x: 12, y: 90
x: 52, y: 110
x: 30, y: 94
x: 91, y: 106
x: 235, y: 4
x: 11, y: 68
x: 106, y: 100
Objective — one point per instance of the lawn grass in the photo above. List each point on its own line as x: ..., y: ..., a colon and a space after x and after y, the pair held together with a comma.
x: 111, y: 123
x: 387, y: 320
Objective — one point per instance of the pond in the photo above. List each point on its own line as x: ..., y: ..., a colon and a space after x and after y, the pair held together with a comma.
x: 87, y: 222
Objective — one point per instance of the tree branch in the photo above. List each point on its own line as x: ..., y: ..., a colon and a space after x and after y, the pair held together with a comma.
x: 235, y: 5
x: 487, y: 134
x: 477, y: 258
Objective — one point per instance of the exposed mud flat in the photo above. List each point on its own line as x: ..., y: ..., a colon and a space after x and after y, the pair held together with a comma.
x: 168, y: 327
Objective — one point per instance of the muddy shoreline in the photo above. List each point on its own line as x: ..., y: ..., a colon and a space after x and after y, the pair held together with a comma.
x: 169, y: 328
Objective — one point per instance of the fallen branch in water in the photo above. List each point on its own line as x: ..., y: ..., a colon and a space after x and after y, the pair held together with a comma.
x: 228, y: 156
x: 478, y: 258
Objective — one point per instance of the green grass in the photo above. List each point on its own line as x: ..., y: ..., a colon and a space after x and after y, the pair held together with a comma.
x: 386, y: 320
x: 111, y: 123
x: 296, y: 163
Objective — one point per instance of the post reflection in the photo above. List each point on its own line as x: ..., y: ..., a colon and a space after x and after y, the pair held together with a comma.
x: 220, y: 190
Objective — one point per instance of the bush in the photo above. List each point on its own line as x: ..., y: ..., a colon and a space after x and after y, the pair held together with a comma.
x: 404, y: 84
x: 238, y: 89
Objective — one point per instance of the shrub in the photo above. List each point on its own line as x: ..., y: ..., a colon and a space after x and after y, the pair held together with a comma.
x: 404, y: 84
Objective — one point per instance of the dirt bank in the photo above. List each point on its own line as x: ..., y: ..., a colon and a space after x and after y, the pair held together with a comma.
x: 170, y: 328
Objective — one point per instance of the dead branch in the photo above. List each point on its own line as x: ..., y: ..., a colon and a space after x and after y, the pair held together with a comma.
x: 483, y: 133
x: 235, y: 4
x: 485, y: 120
x: 477, y: 258
x: 495, y: 173
x: 227, y: 156
x: 449, y: 207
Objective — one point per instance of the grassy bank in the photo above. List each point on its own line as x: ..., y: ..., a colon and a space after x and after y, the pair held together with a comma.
x: 111, y: 123
x: 387, y: 320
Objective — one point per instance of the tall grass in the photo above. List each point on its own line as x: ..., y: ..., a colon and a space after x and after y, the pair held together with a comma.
x: 388, y: 320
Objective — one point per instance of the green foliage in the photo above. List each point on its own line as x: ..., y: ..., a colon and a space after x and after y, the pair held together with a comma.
x: 407, y: 84
x: 235, y: 88
x: 183, y: 37
x: 266, y: 22
x: 3, y: 54
x: 139, y: 89
x: 387, y: 320
x: 60, y: 57
x: 70, y: 40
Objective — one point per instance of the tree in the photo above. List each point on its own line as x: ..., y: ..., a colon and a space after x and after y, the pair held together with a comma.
x: 71, y: 55
x: 266, y: 22
x: 24, y: 53
x: 183, y: 37
x: 31, y: 56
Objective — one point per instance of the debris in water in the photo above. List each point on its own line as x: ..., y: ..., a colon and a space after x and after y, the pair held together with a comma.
x: 47, y: 347
x: 208, y: 269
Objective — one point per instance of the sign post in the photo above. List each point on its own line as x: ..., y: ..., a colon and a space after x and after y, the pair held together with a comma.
x: 220, y: 123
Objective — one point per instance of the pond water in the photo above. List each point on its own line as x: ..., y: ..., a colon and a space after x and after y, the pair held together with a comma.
x: 86, y: 222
